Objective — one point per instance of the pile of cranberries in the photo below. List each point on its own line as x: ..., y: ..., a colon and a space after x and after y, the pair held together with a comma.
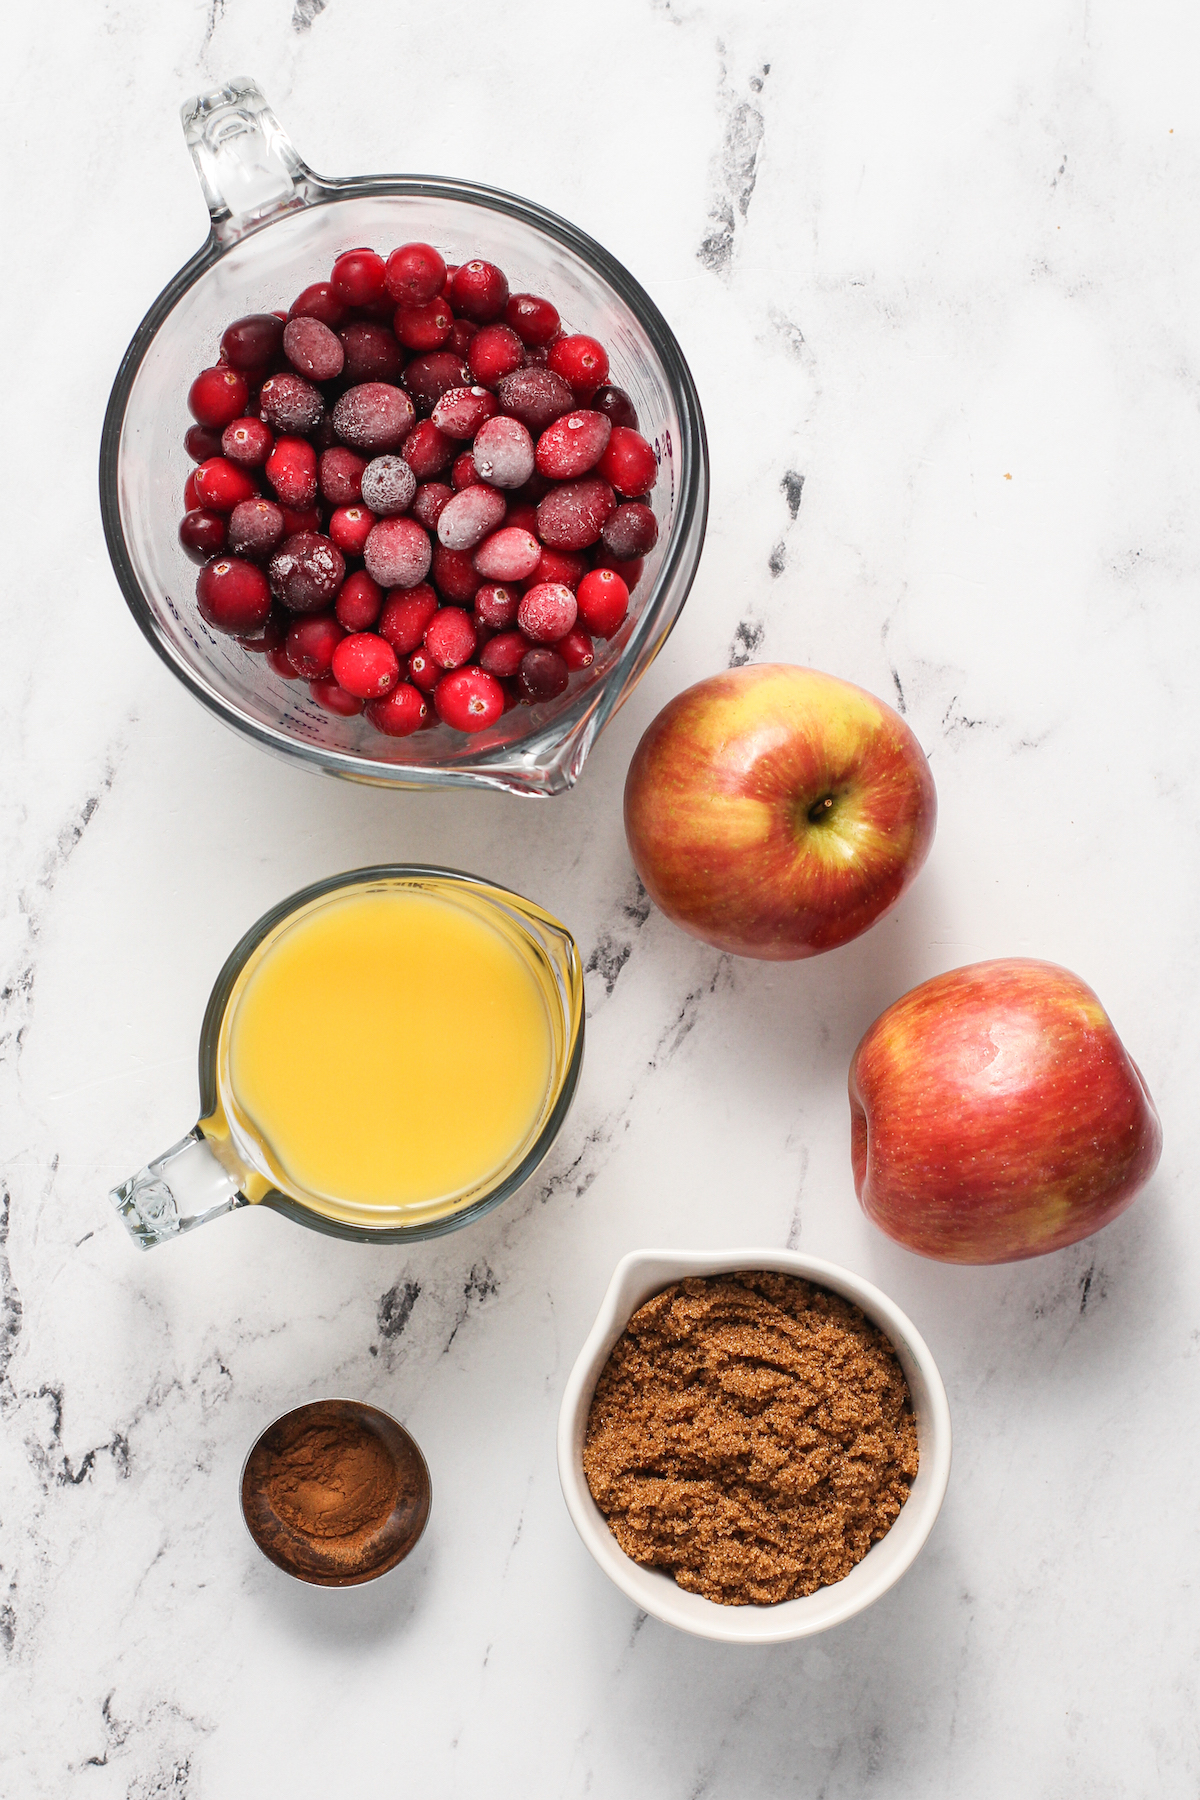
x: 415, y: 487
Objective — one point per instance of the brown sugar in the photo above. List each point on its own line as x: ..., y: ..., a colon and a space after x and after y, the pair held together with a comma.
x: 752, y: 1434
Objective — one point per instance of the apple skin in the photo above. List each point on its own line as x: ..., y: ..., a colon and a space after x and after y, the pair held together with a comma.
x: 995, y: 1115
x: 717, y: 810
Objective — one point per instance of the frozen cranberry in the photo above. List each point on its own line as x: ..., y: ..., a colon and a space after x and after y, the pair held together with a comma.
x: 630, y: 531
x: 423, y: 328
x: 581, y: 361
x: 462, y: 472
x: 536, y: 356
x: 496, y: 607
x: 312, y: 349
x: 508, y: 555
x: 628, y: 463
x: 503, y: 452
x: 269, y: 636
x: 307, y: 571
x: 404, y: 617
x: 220, y: 484
x: 277, y: 659
x: 533, y: 319
x: 357, y: 277
x: 535, y: 396
x: 616, y: 405
x: 461, y: 411
x: 291, y: 470
x: 470, y: 516
x: 427, y: 450
x: 494, y: 352
x: 330, y: 694
x: 339, y: 475
x: 191, y: 498
x: 359, y: 602
x: 469, y: 700
x: 461, y: 333
x: 603, y: 601
x: 521, y: 515
x: 397, y: 553
x: 428, y: 502
x: 414, y: 274
x: 450, y: 637
x: 202, y: 534
x: 399, y: 713
x: 200, y: 442
x: 248, y: 442
x: 218, y: 396
x: 572, y: 445
x: 423, y: 671
x: 371, y: 352
x: 576, y: 650
x: 323, y: 437
x: 366, y: 665
x: 629, y: 571
x: 388, y: 485
x: 310, y: 645
x: 547, y: 613
x: 542, y: 675
x: 295, y: 519
x: 479, y: 292
x: 571, y: 517
x: 350, y: 527
x: 427, y: 378
x: 318, y: 302
x: 454, y: 575
x: 232, y: 595
x: 255, y: 527
x: 373, y: 416
x: 562, y: 566
x: 289, y: 403
x: 503, y: 654
x: 253, y: 342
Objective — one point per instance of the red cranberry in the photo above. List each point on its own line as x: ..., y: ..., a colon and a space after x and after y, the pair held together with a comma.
x: 547, y: 613
x: 388, y: 485
x: 405, y: 616
x: 629, y: 571
x: 503, y: 654
x: 479, y: 292
x: 269, y: 636
x: 428, y: 502
x: 334, y: 698
x: 255, y: 527
x: 359, y: 603
x: 616, y: 405
x: 312, y: 349
x: 202, y: 534
x: 428, y: 377
x: 357, y: 277
x: 373, y: 416
x: 423, y: 328
x: 603, y: 601
x: 253, y: 342
x: 233, y: 596
x: 339, y: 474
x: 423, y: 671
x: 461, y: 411
x: 300, y: 519
x: 454, y: 575
x: 277, y: 659
x: 562, y: 566
x: 470, y: 516
x: 581, y: 361
x: 310, y: 645
x: 629, y: 462
x: 469, y: 700
x: 461, y: 333
x: 218, y: 396
x: 397, y: 553
x: 366, y: 665
x: 462, y: 472
x: 248, y: 442
x: 521, y: 515
x: 220, y: 484
x: 536, y: 356
x: 291, y: 470
x: 200, y: 442
x: 571, y: 516
x: 191, y: 498
x: 307, y: 571
x: 399, y: 713
x: 496, y: 607
x: 503, y: 452
x: 576, y: 650
x: 323, y: 437
x: 533, y: 319
x: 494, y: 352
x: 318, y: 302
x: 535, y: 396
x: 414, y: 274
x: 630, y: 531
x: 450, y: 637
x: 371, y: 352
x: 572, y: 445
x: 508, y: 555
x: 350, y: 527
x: 427, y: 450
x: 542, y: 675
x: 290, y: 404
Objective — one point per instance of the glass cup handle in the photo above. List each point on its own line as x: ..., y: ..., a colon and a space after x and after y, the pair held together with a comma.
x: 184, y: 1187
x: 248, y: 166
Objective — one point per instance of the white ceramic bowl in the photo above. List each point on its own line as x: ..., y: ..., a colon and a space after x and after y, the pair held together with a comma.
x: 647, y: 1272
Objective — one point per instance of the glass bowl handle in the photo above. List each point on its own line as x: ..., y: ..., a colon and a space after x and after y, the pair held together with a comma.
x: 184, y: 1187
x: 249, y: 169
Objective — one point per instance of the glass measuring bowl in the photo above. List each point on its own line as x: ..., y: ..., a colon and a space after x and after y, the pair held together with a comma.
x: 225, y: 1161
x: 276, y: 227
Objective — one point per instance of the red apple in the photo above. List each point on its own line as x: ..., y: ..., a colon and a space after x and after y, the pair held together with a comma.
x: 995, y: 1114
x: 776, y: 812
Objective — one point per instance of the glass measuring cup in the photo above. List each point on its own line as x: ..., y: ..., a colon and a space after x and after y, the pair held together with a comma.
x: 276, y: 227
x: 225, y: 1162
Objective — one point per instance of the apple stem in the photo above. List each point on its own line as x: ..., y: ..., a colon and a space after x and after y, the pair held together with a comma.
x: 819, y: 809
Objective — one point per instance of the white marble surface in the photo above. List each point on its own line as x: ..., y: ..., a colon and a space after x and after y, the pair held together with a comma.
x: 941, y: 261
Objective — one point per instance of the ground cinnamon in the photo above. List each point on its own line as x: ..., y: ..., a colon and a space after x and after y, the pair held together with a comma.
x: 752, y: 1434
x: 331, y: 1480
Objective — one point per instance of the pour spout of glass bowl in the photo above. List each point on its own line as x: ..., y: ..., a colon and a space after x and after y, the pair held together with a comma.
x: 184, y: 1187
x: 249, y: 169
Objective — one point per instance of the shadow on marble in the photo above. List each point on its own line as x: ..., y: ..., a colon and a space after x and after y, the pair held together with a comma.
x: 333, y: 1619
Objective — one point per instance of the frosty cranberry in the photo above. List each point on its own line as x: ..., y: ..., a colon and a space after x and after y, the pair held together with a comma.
x: 312, y: 349
x: 232, y: 595
x: 319, y: 302
x: 461, y: 411
x: 333, y: 697
x: 399, y: 713
x: 373, y: 416
x: 560, y: 565
x: 388, y: 485
x: 576, y: 650
x: 503, y: 452
x: 428, y: 502
x: 535, y: 396
x: 291, y: 470
x: 494, y: 352
x: 255, y: 527
x: 202, y: 534
x: 427, y: 378
x: 479, y: 291
x: 571, y: 517
x: 371, y: 352
x: 534, y: 320
x: 470, y: 516
x: 339, y: 476
x: 454, y: 575
x: 218, y: 396
x: 462, y: 472
x: 248, y: 442
x: 461, y: 333
x: 350, y: 527
x: 414, y: 274
x: 290, y: 404
x: 404, y: 617
x: 450, y: 637
x: 252, y: 343
x: 220, y: 484
x: 423, y: 328
x: 572, y: 445
x: 200, y: 442
x: 628, y: 462
x: 359, y: 602
x: 469, y: 700
x: 306, y: 572
x: 603, y: 601
x: 397, y: 553
x: 357, y: 277
x: 508, y: 555
x: 310, y: 644
x: 581, y: 361
x: 542, y: 675
x: 423, y: 671
x: 630, y: 531
x: 427, y: 450
x: 616, y: 405
x: 547, y: 613
x: 496, y: 607
x: 502, y: 655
